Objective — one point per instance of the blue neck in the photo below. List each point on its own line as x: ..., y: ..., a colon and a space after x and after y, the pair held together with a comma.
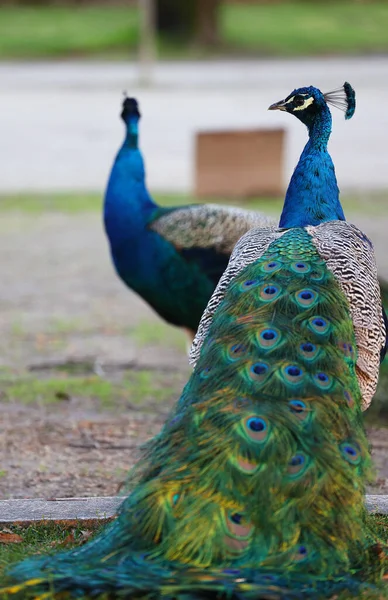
x: 126, y: 189
x: 132, y: 133
x: 313, y: 195
x: 128, y: 204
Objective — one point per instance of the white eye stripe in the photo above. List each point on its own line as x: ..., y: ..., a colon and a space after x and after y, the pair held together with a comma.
x: 305, y: 104
x: 292, y: 99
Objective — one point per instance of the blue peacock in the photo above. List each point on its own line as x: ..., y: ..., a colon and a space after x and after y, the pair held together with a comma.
x: 254, y: 488
x: 172, y: 257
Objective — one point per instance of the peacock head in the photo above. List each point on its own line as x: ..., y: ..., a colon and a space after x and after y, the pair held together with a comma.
x: 130, y: 110
x: 307, y: 103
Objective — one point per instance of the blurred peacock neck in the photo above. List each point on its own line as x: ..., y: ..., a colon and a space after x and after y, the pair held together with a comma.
x: 132, y: 133
x: 128, y: 204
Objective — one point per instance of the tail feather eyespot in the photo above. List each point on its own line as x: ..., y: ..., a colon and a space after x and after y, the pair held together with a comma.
x: 256, y: 428
x: 351, y: 452
x: 268, y: 338
x: 293, y: 374
x: 297, y: 465
x: 319, y: 325
x: 299, y: 409
x: 323, y: 380
x: 300, y: 266
x: 269, y: 292
x: 306, y: 298
x: 258, y: 372
x: 237, y: 350
x: 271, y: 266
x: 308, y: 351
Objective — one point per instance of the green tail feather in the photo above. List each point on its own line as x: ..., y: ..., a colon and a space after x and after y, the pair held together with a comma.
x: 255, y: 486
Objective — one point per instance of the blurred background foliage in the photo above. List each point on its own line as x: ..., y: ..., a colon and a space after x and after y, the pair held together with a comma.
x: 193, y: 28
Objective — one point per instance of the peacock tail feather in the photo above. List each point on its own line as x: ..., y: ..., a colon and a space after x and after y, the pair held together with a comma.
x: 255, y: 486
x: 349, y: 256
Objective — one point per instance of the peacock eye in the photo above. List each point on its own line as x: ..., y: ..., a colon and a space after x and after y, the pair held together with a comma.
x: 298, y: 101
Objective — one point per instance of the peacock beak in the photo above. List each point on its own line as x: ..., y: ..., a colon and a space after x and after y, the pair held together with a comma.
x: 281, y: 105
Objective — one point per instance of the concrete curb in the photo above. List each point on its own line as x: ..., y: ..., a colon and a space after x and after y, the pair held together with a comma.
x: 58, y: 509
x: 99, y: 508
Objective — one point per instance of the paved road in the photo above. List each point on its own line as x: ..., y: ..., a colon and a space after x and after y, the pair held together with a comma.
x: 60, y: 128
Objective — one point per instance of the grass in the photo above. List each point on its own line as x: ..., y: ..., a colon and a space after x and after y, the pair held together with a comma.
x: 36, y: 32
x: 293, y: 28
x: 372, y: 204
x: 44, y: 539
x: 37, y: 204
x: 61, y: 326
x: 273, y: 29
x: 145, y: 333
x: 49, y: 538
x: 158, y: 333
x: 136, y: 387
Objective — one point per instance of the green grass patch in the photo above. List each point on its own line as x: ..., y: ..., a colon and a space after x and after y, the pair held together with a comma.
x: 36, y: 203
x: 273, y: 29
x: 136, y: 387
x: 63, y: 326
x: 47, y: 538
x: 54, y: 31
x: 292, y: 28
x: 6, y: 374
x: 372, y: 204
x: 150, y: 333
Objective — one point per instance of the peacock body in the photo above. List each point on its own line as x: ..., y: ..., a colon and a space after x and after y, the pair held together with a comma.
x: 254, y: 488
x: 172, y: 257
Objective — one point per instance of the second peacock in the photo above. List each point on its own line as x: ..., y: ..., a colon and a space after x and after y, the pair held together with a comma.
x: 254, y: 489
x: 172, y: 257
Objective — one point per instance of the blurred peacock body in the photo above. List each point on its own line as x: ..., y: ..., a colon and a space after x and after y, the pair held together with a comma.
x: 172, y: 257
x: 254, y: 488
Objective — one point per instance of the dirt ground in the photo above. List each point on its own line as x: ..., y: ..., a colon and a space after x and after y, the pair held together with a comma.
x: 87, y: 371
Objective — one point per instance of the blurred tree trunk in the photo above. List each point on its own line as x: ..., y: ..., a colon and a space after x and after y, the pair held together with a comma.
x: 194, y: 20
x: 147, y: 49
x: 176, y: 18
x: 207, y: 33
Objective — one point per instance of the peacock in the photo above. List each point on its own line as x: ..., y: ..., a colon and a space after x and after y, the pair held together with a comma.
x: 254, y: 488
x: 172, y: 257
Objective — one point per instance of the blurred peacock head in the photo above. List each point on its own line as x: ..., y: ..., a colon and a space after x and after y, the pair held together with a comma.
x: 307, y: 103
x: 130, y: 109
